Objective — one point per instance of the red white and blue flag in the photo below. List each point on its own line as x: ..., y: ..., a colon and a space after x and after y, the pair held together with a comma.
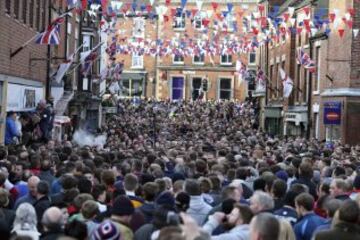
x: 51, y: 36
x: 88, y: 58
x: 304, y: 59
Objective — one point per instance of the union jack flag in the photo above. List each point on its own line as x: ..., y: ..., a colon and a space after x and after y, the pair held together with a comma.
x: 304, y: 59
x: 51, y: 36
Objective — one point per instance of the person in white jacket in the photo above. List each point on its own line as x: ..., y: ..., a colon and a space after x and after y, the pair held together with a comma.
x: 198, y: 208
x: 237, y: 222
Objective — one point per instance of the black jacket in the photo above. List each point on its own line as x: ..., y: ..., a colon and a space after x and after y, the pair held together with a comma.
x: 342, y: 230
x: 40, y: 207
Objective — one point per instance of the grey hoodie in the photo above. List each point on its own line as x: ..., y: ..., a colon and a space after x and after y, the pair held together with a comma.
x: 198, y: 209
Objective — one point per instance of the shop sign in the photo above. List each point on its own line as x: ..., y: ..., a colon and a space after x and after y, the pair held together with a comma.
x: 332, y: 113
x: 23, y: 97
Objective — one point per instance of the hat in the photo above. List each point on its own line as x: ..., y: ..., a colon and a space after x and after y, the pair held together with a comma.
x: 106, y: 231
x: 166, y: 198
x: 282, y: 175
x: 122, y: 206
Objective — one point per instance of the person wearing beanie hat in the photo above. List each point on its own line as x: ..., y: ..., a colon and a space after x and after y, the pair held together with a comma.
x: 166, y: 199
x: 107, y: 230
x: 121, y: 214
x: 282, y: 175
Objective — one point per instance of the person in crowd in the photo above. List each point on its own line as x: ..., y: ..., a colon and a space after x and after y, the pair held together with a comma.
x: 261, y: 202
x: 264, y: 226
x: 12, y: 133
x: 348, y: 226
x: 308, y: 221
x: 338, y: 189
x: 237, y: 222
x: 121, y: 213
x: 25, y: 223
x: 7, y: 216
x: 278, y: 191
x: 305, y: 177
x: 46, y: 114
x: 31, y: 197
x: 150, y: 191
x: 53, y: 224
x: 42, y: 200
x: 198, y: 208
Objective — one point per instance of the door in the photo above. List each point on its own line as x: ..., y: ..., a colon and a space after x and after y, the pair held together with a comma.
x: 177, y: 91
x: 196, y: 85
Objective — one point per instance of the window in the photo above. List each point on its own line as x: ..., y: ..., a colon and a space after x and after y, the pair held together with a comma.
x: 86, y: 43
x: 38, y: 23
x: 225, y: 90
x: 137, y: 61
x: 199, y: 58
x: 179, y: 19
x: 177, y: 91
x: 196, y: 85
x: 8, y: 6
x: 16, y: 9
x: 24, y: 11
x: 317, y: 74
x: 178, y: 59
x: 132, y: 87
x: 139, y: 27
x: 252, y: 58
x: 228, y: 22
x: 198, y: 22
x: 226, y: 59
x: 31, y: 13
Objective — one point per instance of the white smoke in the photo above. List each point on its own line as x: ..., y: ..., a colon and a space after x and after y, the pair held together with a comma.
x: 83, y: 138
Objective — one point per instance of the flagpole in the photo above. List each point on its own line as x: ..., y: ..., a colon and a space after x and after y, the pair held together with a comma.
x: 23, y: 46
x: 13, y: 54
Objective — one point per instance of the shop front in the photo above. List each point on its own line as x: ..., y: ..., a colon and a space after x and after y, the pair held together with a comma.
x: 295, y: 121
x: 273, y: 120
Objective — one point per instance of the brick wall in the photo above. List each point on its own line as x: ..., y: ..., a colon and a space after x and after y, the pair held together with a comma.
x: 14, y: 33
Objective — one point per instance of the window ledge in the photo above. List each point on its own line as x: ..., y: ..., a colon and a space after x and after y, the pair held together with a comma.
x: 199, y: 63
x: 316, y: 92
x: 137, y: 67
x: 179, y: 29
x: 178, y: 63
x: 226, y: 64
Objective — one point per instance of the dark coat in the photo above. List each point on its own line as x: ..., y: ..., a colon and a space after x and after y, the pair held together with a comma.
x: 342, y: 230
x: 40, y: 207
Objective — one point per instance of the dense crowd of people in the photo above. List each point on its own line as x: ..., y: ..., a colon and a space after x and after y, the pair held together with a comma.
x: 181, y: 171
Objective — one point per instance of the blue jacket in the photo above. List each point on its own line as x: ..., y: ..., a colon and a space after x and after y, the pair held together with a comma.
x: 11, y: 131
x: 306, y: 226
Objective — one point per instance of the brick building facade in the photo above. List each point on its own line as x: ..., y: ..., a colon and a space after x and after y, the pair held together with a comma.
x: 23, y: 76
x: 335, y: 82
x: 177, y: 77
